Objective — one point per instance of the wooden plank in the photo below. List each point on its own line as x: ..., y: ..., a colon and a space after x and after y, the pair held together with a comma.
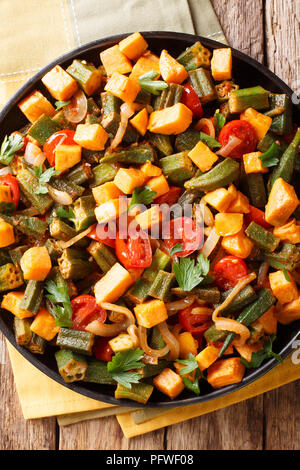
x: 282, y: 40
x: 243, y: 25
x: 105, y: 433
x: 15, y: 432
x: 282, y: 418
x: 238, y: 427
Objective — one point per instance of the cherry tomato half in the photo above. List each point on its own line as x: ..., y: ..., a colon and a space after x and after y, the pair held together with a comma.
x: 134, y: 252
x: 94, y: 235
x: 228, y: 271
x: 242, y: 130
x: 102, y: 349
x: 64, y: 137
x: 258, y: 216
x: 191, y: 100
x: 195, y: 323
x: 12, y: 182
x: 171, y: 197
x: 85, y: 310
x: 185, y: 231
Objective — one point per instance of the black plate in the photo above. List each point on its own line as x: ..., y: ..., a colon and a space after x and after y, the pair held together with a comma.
x: 247, y: 72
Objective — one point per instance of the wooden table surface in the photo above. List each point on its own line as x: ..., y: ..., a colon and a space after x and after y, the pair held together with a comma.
x: 268, y: 31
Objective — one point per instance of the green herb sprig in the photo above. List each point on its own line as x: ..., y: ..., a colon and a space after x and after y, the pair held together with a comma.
x: 9, y: 147
x: 122, y: 364
x: 44, y: 177
x: 58, y: 294
x: 188, y: 274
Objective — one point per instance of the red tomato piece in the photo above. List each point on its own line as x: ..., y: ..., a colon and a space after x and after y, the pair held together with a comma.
x: 134, y: 252
x: 185, y: 231
x: 64, y: 137
x: 12, y: 182
x: 242, y: 130
x: 109, y: 240
x: 196, y: 324
x: 258, y: 216
x: 191, y: 100
x: 102, y: 349
x: 85, y: 310
x: 228, y: 271
x: 171, y: 197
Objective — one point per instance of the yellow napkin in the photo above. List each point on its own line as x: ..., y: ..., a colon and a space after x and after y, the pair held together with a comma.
x: 32, y: 34
x: 282, y: 374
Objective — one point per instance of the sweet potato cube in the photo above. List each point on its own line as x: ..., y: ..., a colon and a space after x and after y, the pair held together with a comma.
x: 269, y: 321
x: 171, y: 70
x: 252, y: 163
x: 151, y: 313
x: 289, y: 312
x: 285, y: 291
x: 171, y: 120
x: 202, y: 156
x: 169, y: 383
x: 238, y: 245
x: 110, y: 210
x: 289, y: 232
x: 43, y: 325
x: 123, y: 87
x: 67, y: 156
x: 34, y: 105
x: 159, y: 184
x: 36, y: 263
x: 187, y: 345
x: 220, y: 199
x: 225, y: 372
x: 221, y: 64
x: 113, y: 285
x: 150, y: 170
x: 247, y: 350
x: 282, y: 202
x: 133, y: 46
x: 259, y: 121
x: 7, y: 236
x: 114, y: 60
x: 127, y: 179
x: 11, y: 302
x: 91, y: 136
x: 146, y: 63
x: 227, y: 224
x: 207, y: 356
x: 149, y: 218
x: 59, y: 83
x: 240, y: 204
x: 105, y: 192
x: 140, y: 121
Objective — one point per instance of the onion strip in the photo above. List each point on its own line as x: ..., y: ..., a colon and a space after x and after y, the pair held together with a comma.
x: 73, y: 240
x: 233, y: 142
x: 236, y: 327
x: 170, y: 340
x: 142, y: 331
x: 133, y: 333
x: 210, y: 243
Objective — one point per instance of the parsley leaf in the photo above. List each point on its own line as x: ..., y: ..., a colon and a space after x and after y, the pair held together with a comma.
x: 258, y: 357
x: 142, y: 195
x: 188, y: 274
x: 122, y: 363
x: 176, y: 248
x: 220, y: 120
x: 271, y: 156
x: 61, y: 104
x: 190, y: 364
x: 59, y: 294
x: 7, y: 208
x: 9, y: 147
x: 147, y: 83
x: 63, y: 213
x: 193, y: 386
x: 44, y: 177
x: 209, y: 141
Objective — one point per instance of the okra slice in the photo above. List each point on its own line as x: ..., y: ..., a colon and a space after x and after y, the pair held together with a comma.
x: 87, y: 75
x: 33, y: 296
x: 283, y: 123
x: 169, y: 96
x: 10, y: 277
x: 84, y: 210
x: 161, y: 142
x: 132, y: 155
x: 154, y: 369
x: 139, y: 392
x: 195, y: 56
x: 16, y: 254
x: 80, y: 174
x: 256, y: 97
x: 36, y: 345
x: 160, y: 288
x: 202, y: 83
x: 71, y: 366
x: 104, y: 173
x: 287, y: 258
x: 221, y: 175
x: 22, y: 331
x: 53, y: 249
x: 208, y: 294
x: 256, y: 189
x: 60, y: 230
x: 78, y: 341
x: 261, y: 237
x: 224, y: 88
x: 286, y: 164
x: 187, y: 140
x: 177, y: 168
x: 103, y: 255
x: 97, y: 373
x: 43, y: 127
x: 29, y: 184
x: 73, y: 264
x: 5, y: 256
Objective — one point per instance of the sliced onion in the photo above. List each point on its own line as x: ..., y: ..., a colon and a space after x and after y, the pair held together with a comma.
x: 34, y: 155
x: 206, y: 213
x: 133, y: 333
x: 262, y: 273
x: 228, y: 324
x: 6, y: 170
x: 210, y: 243
x: 142, y: 331
x: 105, y: 329
x: 206, y: 122
x: 202, y: 311
x: 77, y: 109
x: 61, y: 197
x: 73, y: 240
x: 173, y: 307
x: 233, y: 142
x: 170, y: 340
x: 125, y: 112
x: 119, y: 309
x: 128, y: 109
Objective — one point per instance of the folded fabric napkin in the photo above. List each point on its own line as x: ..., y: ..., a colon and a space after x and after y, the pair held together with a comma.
x: 53, y: 28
